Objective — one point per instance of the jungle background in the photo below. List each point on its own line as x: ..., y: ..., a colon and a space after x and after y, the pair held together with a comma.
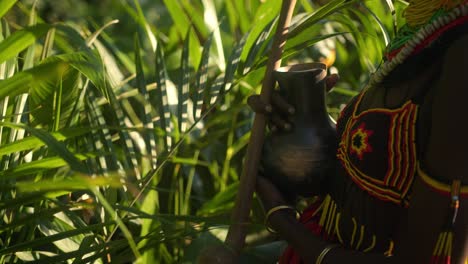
x: 123, y: 124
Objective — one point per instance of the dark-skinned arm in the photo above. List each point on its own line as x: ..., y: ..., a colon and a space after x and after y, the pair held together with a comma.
x: 301, y: 239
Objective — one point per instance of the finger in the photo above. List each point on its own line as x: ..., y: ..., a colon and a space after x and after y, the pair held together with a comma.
x: 258, y: 106
x: 281, y: 104
x: 279, y: 122
x: 331, y: 81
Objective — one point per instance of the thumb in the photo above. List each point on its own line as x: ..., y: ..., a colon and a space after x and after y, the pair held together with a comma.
x: 331, y: 81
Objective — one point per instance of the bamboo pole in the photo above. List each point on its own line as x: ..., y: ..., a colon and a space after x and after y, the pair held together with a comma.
x: 237, y: 231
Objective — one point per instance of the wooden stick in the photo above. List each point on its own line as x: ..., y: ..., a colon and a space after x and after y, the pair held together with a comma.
x: 237, y: 231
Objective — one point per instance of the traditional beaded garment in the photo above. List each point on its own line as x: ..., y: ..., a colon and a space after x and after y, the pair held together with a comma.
x: 378, y: 155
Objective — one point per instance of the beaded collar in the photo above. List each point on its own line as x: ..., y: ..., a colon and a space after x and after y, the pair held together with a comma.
x: 421, y: 38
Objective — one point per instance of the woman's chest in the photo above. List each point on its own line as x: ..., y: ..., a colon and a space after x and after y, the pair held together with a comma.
x: 377, y: 150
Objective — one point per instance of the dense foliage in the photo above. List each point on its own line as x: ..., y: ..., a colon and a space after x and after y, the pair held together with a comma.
x: 123, y: 124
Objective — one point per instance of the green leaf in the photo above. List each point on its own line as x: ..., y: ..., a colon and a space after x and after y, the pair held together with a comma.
x: 213, y: 92
x: 144, y: 110
x: 182, y: 23
x: 307, y: 6
x: 149, y: 206
x: 31, y: 219
x: 52, y: 99
x: 211, y: 21
x: 184, y: 85
x: 23, y: 81
x: 242, y: 11
x: 33, y: 142
x: 266, y: 13
x: 221, y: 203
x: 57, y: 226
x: 20, y: 40
x: 52, y: 238
x: 318, y: 15
x: 59, y: 147
x: 53, y: 69
x: 28, y: 256
x: 67, y: 39
x: 197, y: 17
x: 380, y: 23
x: 159, y: 97
x: 94, y: 36
x: 37, y: 166
x: 127, y: 234
x: 140, y: 82
x: 202, y: 79
x: 71, y: 183
x: 5, y: 5
x: 129, y: 162
x: 233, y: 63
x: 87, y: 63
x: 145, y: 24
x: 296, y: 48
x: 258, y: 49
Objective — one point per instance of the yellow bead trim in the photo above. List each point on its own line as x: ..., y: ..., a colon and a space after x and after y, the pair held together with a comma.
x: 324, y: 252
x: 418, y: 12
x: 438, y: 186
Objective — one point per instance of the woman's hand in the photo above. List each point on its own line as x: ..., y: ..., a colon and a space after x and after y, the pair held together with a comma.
x: 284, y: 222
x: 279, y: 110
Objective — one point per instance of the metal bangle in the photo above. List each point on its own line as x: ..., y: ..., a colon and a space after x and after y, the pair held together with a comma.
x: 324, y: 252
x: 275, y: 209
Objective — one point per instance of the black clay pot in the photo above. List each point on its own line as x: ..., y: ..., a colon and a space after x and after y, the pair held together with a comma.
x: 298, y: 161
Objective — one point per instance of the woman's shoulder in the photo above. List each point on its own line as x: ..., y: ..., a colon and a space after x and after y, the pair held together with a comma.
x: 457, y: 52
x: 447, y: 150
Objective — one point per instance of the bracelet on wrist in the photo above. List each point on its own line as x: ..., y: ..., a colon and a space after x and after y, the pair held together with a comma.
x: 275, y: 209
x: 324, y: 252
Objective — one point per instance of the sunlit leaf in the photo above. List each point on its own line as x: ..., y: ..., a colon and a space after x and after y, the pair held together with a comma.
x: 159, y: 96
x: 211, y: 21
x: 53, y: 144
x: 182, y: 23
x: 33, y: 255
x: 184, y: 85
x: 20, y: 40
x: 51, y: 238
x: 233, y: 63
x: 202, y: 78
x: 5, y: 5
x: 267, y: 12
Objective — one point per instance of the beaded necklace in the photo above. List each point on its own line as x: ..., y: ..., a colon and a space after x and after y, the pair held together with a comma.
x: 424, y: 28
x: 419, y: 12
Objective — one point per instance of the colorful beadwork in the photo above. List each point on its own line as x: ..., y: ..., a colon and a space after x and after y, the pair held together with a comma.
x: 328, y: 228
x: 395, y: 157
x: 421, y: 38
x: 360, y: 141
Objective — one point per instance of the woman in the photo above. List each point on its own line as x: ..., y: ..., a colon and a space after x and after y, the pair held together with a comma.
x: 399, y: 194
